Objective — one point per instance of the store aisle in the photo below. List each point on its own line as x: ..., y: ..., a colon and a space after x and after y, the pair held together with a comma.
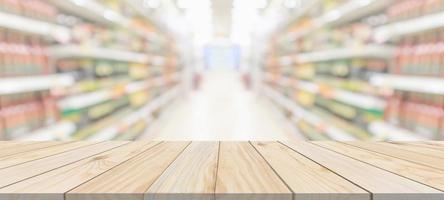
x: 221, y: 110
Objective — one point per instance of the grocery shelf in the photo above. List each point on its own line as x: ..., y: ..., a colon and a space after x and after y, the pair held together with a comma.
x: 306, y: 7
x: 78, y: 7
x: 96, y: 12
x: 349, y: 11
x: 143, y: 113
x: 355, y: 99
x: 58, y: 131
x: 88, y: 99
x: 384, y: 130
x: 158, y: 81
x: 92, y: 10
x: 357, y: 131
x: 359, y: 100
x: 367, y: 51
x: 301, y: 113
x: 12, y: 85
x: 409, y: 83
x: 77, y: 51
x: 32, y: 26
x: 155, y: 37
x: 29, y: 29
x: 356, y: 9
x: 416, y: 25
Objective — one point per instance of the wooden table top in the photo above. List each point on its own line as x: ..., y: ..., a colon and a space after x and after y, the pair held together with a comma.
x: 221, y: 170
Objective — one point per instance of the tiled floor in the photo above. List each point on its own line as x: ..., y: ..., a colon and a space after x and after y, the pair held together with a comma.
x: 221, y: 110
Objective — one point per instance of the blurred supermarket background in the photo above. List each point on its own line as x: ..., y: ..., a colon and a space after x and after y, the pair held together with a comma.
x: 221, y: 69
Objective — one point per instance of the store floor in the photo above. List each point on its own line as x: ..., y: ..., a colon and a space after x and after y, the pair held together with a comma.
x: 222, y: 109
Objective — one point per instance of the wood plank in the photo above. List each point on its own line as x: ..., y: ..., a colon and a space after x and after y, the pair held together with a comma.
x: 424, y: 147
x: 382, y: 184
x: 420, y: 173
x: 23, y: 171
x: 19, y: 148
x: 15, y: 159
x: 244, y: 174
x: 438, y: 145
x: 391, y: 150
x: 191, y: 176
x: 8, y: 144
x: 131, y: 179
x: 53, y: 184
x: 419, y: 149
x: 307, y: 179
x: 431, y: 144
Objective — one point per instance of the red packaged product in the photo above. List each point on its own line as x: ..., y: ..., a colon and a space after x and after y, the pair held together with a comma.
x: 2, y: 126
x: 441, y: 131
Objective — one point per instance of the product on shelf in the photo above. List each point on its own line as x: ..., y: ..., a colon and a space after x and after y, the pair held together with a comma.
x: 22, y: 113
x: 408, y: 9
x: 133, y: 131
x: 441, y: 130
x: 2, y: 130
x: 420, y: 113
x: 139, y: 99
x: 421, y: 54
x: 105, y: 79
x: 37, y: 9
x: 313, y: 133
x: 22, y: 54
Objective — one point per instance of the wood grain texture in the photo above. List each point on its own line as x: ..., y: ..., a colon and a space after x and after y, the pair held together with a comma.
x: 27, y: 146
x: 15, y: 159
x: 439, y: 145
x: 244, y: 174
x: 395, y: 151
x: 191, y: 176
x: 131, y: 179
x: 8, y: 144
x: 145, y: 170
x: 382, y: 184
x: 53, y: 184
x: 23, y: 171
x: 417, y: 147
x: 307, y: 179
x: 420, y: 173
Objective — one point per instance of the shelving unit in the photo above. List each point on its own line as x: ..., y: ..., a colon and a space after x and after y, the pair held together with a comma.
x: 75, y: 51
x: 85, y: 103
x: 347, y: 12
x: 144, y: 113
x: 58, y: 131
x: 351, y: 98
x: 14, y: 85
x: 409, y: 83
x: 300, y: 113
x: 95, y: 12
x: 398, y: 29
x: 302, y: 62
x: 383, y: 130
x: 367, y: 51
x: 32, y: 26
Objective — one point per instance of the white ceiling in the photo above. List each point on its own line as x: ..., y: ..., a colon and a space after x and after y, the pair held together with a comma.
x: 222, y: 17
